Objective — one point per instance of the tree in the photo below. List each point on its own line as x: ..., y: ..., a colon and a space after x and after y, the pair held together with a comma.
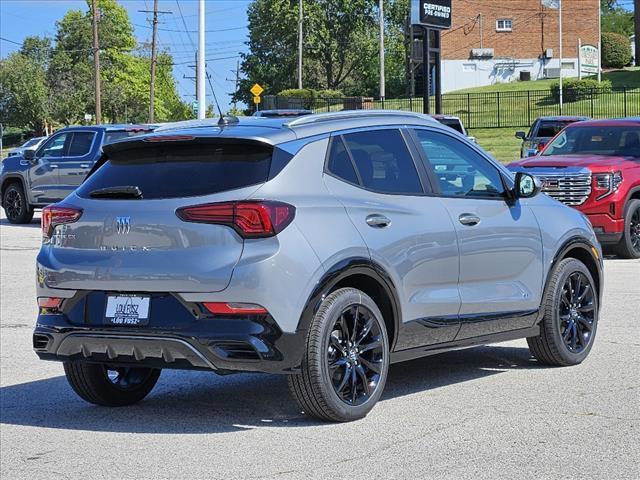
x: 23, y: 93
x: 616, y: 50
x: 271, y: 60
x: 342, y: 43
x: 616, y: 19
x: 37, y: 49
x: 340, y: 46
x: 125, y: 70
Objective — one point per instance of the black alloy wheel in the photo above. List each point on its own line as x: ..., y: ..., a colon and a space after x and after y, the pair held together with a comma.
x: 355, y: 355
x: 15, y: 205
x: 634, y: 230
x: 346, y: 360
x: 127, y: 378
x: 570, y: 310
x: 629, y: 246
x: 577, y: 312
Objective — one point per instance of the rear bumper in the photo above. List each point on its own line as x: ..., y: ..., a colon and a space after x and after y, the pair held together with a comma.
x: 224, y: 345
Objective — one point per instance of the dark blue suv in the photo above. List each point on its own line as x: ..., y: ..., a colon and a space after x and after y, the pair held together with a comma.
x: 50, y: 173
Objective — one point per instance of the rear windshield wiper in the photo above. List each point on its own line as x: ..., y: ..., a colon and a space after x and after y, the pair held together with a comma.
x: 125, y: 191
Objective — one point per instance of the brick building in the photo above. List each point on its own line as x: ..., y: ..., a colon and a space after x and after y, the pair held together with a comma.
x: 495, y: 40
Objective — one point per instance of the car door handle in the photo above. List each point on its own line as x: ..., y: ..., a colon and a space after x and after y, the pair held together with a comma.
x: 469, y: 219
x: 53, y: 165
x: 378, y: 221
x: 84, y: 165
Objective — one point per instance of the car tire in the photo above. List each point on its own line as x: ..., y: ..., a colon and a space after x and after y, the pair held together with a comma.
x: 629, y: 246
x: 110, y: 386
x: 346, y: 362
x: 16, y: 205
x: 570, y: 316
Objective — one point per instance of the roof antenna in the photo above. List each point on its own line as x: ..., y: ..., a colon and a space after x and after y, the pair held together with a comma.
x: 223, y: 120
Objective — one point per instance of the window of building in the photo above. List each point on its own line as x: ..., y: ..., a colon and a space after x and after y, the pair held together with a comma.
x: 504, y: 25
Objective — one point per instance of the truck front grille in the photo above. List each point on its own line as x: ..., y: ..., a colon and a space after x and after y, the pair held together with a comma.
x: 570, y: 189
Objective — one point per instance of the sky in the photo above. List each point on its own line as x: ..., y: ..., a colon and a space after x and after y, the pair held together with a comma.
x: 226, y: 25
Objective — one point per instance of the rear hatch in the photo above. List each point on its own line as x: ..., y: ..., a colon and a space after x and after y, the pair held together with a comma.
x: 129, y: 238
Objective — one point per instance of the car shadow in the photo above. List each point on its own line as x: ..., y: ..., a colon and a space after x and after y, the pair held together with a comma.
x: 202, y: 402
x: 35, y: 223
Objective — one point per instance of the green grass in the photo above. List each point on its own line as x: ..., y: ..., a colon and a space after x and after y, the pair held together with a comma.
x: 499, y: 142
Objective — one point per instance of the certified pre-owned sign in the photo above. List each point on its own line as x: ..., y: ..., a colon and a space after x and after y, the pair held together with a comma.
x: 434, y: 13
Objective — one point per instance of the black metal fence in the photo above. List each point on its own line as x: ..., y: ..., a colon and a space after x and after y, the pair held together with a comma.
x: 489, y: 109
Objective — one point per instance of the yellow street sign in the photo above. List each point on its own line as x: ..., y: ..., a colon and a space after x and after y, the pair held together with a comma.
x: 256, y: 90
x: 256, y: 99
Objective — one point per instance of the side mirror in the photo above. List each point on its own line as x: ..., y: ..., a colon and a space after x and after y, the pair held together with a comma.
x: 527, y: 185
x: 29, y: 155
x: 521, y: 135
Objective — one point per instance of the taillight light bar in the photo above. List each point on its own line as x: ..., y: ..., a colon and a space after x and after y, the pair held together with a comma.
x: 251, y: 219
x: 55, y: 215
x: 231, y: 308
x: 49, y: 303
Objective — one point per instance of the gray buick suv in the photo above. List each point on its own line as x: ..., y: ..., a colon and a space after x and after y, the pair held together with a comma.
x: 323, y: 247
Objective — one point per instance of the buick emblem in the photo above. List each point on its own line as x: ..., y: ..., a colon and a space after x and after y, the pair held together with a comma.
x: 123, y: 225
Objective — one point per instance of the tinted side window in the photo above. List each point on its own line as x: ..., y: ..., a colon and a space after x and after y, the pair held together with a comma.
x: 340, y: 162
x: 459, y: 170
x: 383, y: 161
x: 55, y: 147
x: 80, y: 144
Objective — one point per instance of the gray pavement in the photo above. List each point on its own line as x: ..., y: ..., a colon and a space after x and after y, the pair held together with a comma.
x: 489, y: 412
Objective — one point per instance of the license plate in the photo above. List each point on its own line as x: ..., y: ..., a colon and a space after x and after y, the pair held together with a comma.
x: 127, y: 310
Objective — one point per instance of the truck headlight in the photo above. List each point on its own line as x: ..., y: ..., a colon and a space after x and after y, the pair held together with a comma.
x: 610, y: 182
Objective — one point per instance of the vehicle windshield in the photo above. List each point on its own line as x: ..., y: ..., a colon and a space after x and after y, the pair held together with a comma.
x: 32, y: 142
x: 623, y: 141
x: 115, y: 135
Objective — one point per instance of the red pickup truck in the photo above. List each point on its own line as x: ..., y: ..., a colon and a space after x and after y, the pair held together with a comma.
x: 594, y: 166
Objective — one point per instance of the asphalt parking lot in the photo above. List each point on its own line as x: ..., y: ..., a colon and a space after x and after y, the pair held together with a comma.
x: 489, y: 412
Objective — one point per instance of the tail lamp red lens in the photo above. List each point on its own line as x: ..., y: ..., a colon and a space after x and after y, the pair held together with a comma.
x: 223, y: 308
x: 251, y: 219
x: 49, y: 303
x: 55, y: 215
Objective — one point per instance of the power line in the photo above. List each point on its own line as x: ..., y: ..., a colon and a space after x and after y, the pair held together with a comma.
x: 193, y: 31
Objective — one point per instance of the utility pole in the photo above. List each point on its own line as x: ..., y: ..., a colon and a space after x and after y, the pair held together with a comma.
x: 154, y: 40
x: 300, y: 21
x: 560, y: 21
x: 636, y: 7
x: 237, y: 81
x: 381, y: 22
x: 200, y: 66
x: 96, y: 61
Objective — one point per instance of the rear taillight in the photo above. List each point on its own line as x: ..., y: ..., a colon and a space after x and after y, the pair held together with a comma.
x: 55, y: 215
x: 251, y: 219
x: 49, y: 303
x: 232, y: 308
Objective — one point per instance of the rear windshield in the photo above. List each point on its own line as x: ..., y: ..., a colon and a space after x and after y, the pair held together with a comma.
x: 114, y: 136
x: 552, y: 128
x: 172, y: 171
x: 452, y: 123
